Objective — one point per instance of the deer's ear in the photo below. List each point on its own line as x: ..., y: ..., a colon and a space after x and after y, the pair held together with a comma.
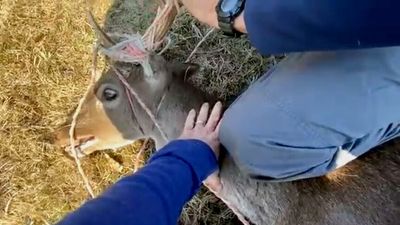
x: 184, y: 70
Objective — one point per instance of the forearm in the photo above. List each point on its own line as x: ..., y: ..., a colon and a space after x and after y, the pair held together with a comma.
x: 154, y: 195
x: 276, y: 26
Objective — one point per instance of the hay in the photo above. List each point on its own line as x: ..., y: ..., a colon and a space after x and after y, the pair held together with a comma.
x: 40, y: 83
x: 45, y: 58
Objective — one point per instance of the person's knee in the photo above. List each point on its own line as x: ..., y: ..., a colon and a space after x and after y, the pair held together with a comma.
x: 268, y: 142
x: 307, y: 107
x: 265, y: 139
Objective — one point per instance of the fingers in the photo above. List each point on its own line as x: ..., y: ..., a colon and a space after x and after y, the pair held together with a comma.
x: 215, y: 116
x: 189, y: 124
x: 203, y: 114
x: 218, y: 127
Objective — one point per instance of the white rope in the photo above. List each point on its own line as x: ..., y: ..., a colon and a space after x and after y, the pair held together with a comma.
x: 141, y: 103
x: 73, y: 125
x: 130, y: 50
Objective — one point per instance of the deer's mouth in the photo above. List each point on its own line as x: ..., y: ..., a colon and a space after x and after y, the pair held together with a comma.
x: 80, y: 145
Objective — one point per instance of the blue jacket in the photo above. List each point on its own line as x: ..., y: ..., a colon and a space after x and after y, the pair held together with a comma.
x: 156, y: 194
x: 280, y: 26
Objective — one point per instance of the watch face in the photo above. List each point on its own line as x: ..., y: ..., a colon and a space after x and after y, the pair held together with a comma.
x: 228, y: 5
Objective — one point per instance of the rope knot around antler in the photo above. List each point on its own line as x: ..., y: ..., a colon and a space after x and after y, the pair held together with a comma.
x: 131, y: 49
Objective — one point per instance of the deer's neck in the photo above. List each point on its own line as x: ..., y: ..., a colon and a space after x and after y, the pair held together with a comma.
x: 151, y: 95
x: 172, y: 108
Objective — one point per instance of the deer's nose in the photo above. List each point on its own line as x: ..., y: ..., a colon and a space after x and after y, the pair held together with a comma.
x: 62, y: 139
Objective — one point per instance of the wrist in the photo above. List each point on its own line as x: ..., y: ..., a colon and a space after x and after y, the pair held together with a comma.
x: 230, y: 16
x: 213, y: 20
x: 239, y: 24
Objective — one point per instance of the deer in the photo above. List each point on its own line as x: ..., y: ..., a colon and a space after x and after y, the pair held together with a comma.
x: 366, y: 191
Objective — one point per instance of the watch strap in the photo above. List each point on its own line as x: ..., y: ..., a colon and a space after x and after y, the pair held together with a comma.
x: 226, y: 19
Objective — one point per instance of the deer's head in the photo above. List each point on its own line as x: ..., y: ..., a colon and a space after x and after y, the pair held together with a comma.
x: 107, y: 119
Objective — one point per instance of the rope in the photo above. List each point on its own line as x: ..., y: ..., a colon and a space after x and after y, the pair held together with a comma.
x: 140, y: 101
x: 157, y: 31
x: 150, y: 41
x: 73, y: 125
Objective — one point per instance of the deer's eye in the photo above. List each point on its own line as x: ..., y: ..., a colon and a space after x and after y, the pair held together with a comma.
x: 110, y: 94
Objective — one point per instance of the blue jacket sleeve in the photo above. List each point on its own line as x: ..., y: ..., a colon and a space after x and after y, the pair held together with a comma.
x: 154, y: 195
x: 281, y: 26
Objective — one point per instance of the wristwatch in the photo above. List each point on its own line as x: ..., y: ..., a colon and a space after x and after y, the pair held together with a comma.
x: 228, y: 11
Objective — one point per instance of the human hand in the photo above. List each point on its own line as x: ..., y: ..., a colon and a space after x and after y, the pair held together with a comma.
x: 206, y: 128
x: 204, y: 11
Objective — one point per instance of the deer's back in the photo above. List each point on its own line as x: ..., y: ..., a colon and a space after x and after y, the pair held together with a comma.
x: 364, y: 192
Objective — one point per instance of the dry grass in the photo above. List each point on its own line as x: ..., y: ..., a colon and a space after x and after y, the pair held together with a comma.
x: 45, y: 51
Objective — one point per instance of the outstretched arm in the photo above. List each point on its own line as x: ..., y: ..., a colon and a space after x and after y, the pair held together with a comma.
x: 157, y: 193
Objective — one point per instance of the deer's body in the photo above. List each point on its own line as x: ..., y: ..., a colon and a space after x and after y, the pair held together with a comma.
x: 364, y: 192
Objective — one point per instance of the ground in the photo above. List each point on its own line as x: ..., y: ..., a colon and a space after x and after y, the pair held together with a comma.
x: 45, y: 52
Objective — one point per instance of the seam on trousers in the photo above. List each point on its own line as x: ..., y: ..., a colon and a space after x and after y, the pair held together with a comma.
x: 307, y: 174
x: 394, y: 133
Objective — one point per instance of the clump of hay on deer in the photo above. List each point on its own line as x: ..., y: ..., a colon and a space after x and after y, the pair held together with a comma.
x: 45, y: 67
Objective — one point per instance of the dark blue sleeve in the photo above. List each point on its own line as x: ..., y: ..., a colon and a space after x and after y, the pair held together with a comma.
x: 154, y: 195
x: 281, y: 26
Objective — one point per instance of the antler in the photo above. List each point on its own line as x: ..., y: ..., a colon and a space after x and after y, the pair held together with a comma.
x: 155, y: 34
x: 157, y: 31
x: 102, y: 36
